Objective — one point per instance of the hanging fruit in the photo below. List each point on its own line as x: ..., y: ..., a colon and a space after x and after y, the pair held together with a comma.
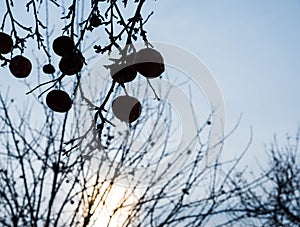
x: 126, y: 108
x: 149, y: 63
x: 58, y: 101
x: 20, y: 66
x: 48, y: 69
x: 123, y: 73
x: 63, y: 46
x: 95, y: 21
x: 6, y: 43
x: 71, y: 64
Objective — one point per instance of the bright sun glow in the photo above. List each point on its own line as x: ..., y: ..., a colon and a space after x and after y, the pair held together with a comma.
x: 114, y: 205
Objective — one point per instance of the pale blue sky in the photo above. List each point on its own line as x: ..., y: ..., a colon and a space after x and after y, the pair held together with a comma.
x: 252, y: 48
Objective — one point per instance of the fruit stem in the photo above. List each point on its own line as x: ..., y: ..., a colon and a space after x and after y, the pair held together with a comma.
x: 124, y: 88
x: 4, y: 59
x: 128, y: 129
x: 152, y: 88
x: 47, y: 82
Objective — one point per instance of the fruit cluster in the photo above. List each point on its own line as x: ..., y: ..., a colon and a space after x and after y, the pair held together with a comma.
x: 150, y: 64
x: 71, y: 59
x: 19, y: 65
x: 71, y: 63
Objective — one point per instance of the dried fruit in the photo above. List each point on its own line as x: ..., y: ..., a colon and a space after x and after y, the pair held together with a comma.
x: 48, y: 69
x: 71, y: 64
x: 95, y: 21
x: 20, y: 66
x: 123, y: 74
x: 149, y: 63
x: 59, y: 101
x: 126, y: 108
x: 63, y: 46
x: 6, y: 43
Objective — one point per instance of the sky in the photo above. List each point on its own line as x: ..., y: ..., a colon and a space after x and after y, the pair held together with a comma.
x: 253, y: 50
x: 251, y: 47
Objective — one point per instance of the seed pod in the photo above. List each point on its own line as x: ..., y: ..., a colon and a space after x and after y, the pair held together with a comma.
x: 59, y: 101
x: 126, y: 108
x: 20, y: 66
x: 149, y: 63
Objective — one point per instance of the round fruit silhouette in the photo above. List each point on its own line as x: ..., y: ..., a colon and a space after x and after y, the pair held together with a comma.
x: 59, y: 101
x: 48, y: 69
x: 95, y: 21
x: 126, y: 108
x: 20, y: 66
x: 123, y: 75
x: 6, y: 43
x: 63, y: 46
x: 71, y: 64
x: 149, y: 63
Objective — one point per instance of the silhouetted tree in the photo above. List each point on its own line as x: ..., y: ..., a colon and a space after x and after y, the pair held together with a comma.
x: 75, y: 167
x: 66, y: 170
x: 273, y: 198
x: 45, y: 181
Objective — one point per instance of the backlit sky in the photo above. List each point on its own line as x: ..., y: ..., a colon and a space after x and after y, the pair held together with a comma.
x: 253, y: 50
